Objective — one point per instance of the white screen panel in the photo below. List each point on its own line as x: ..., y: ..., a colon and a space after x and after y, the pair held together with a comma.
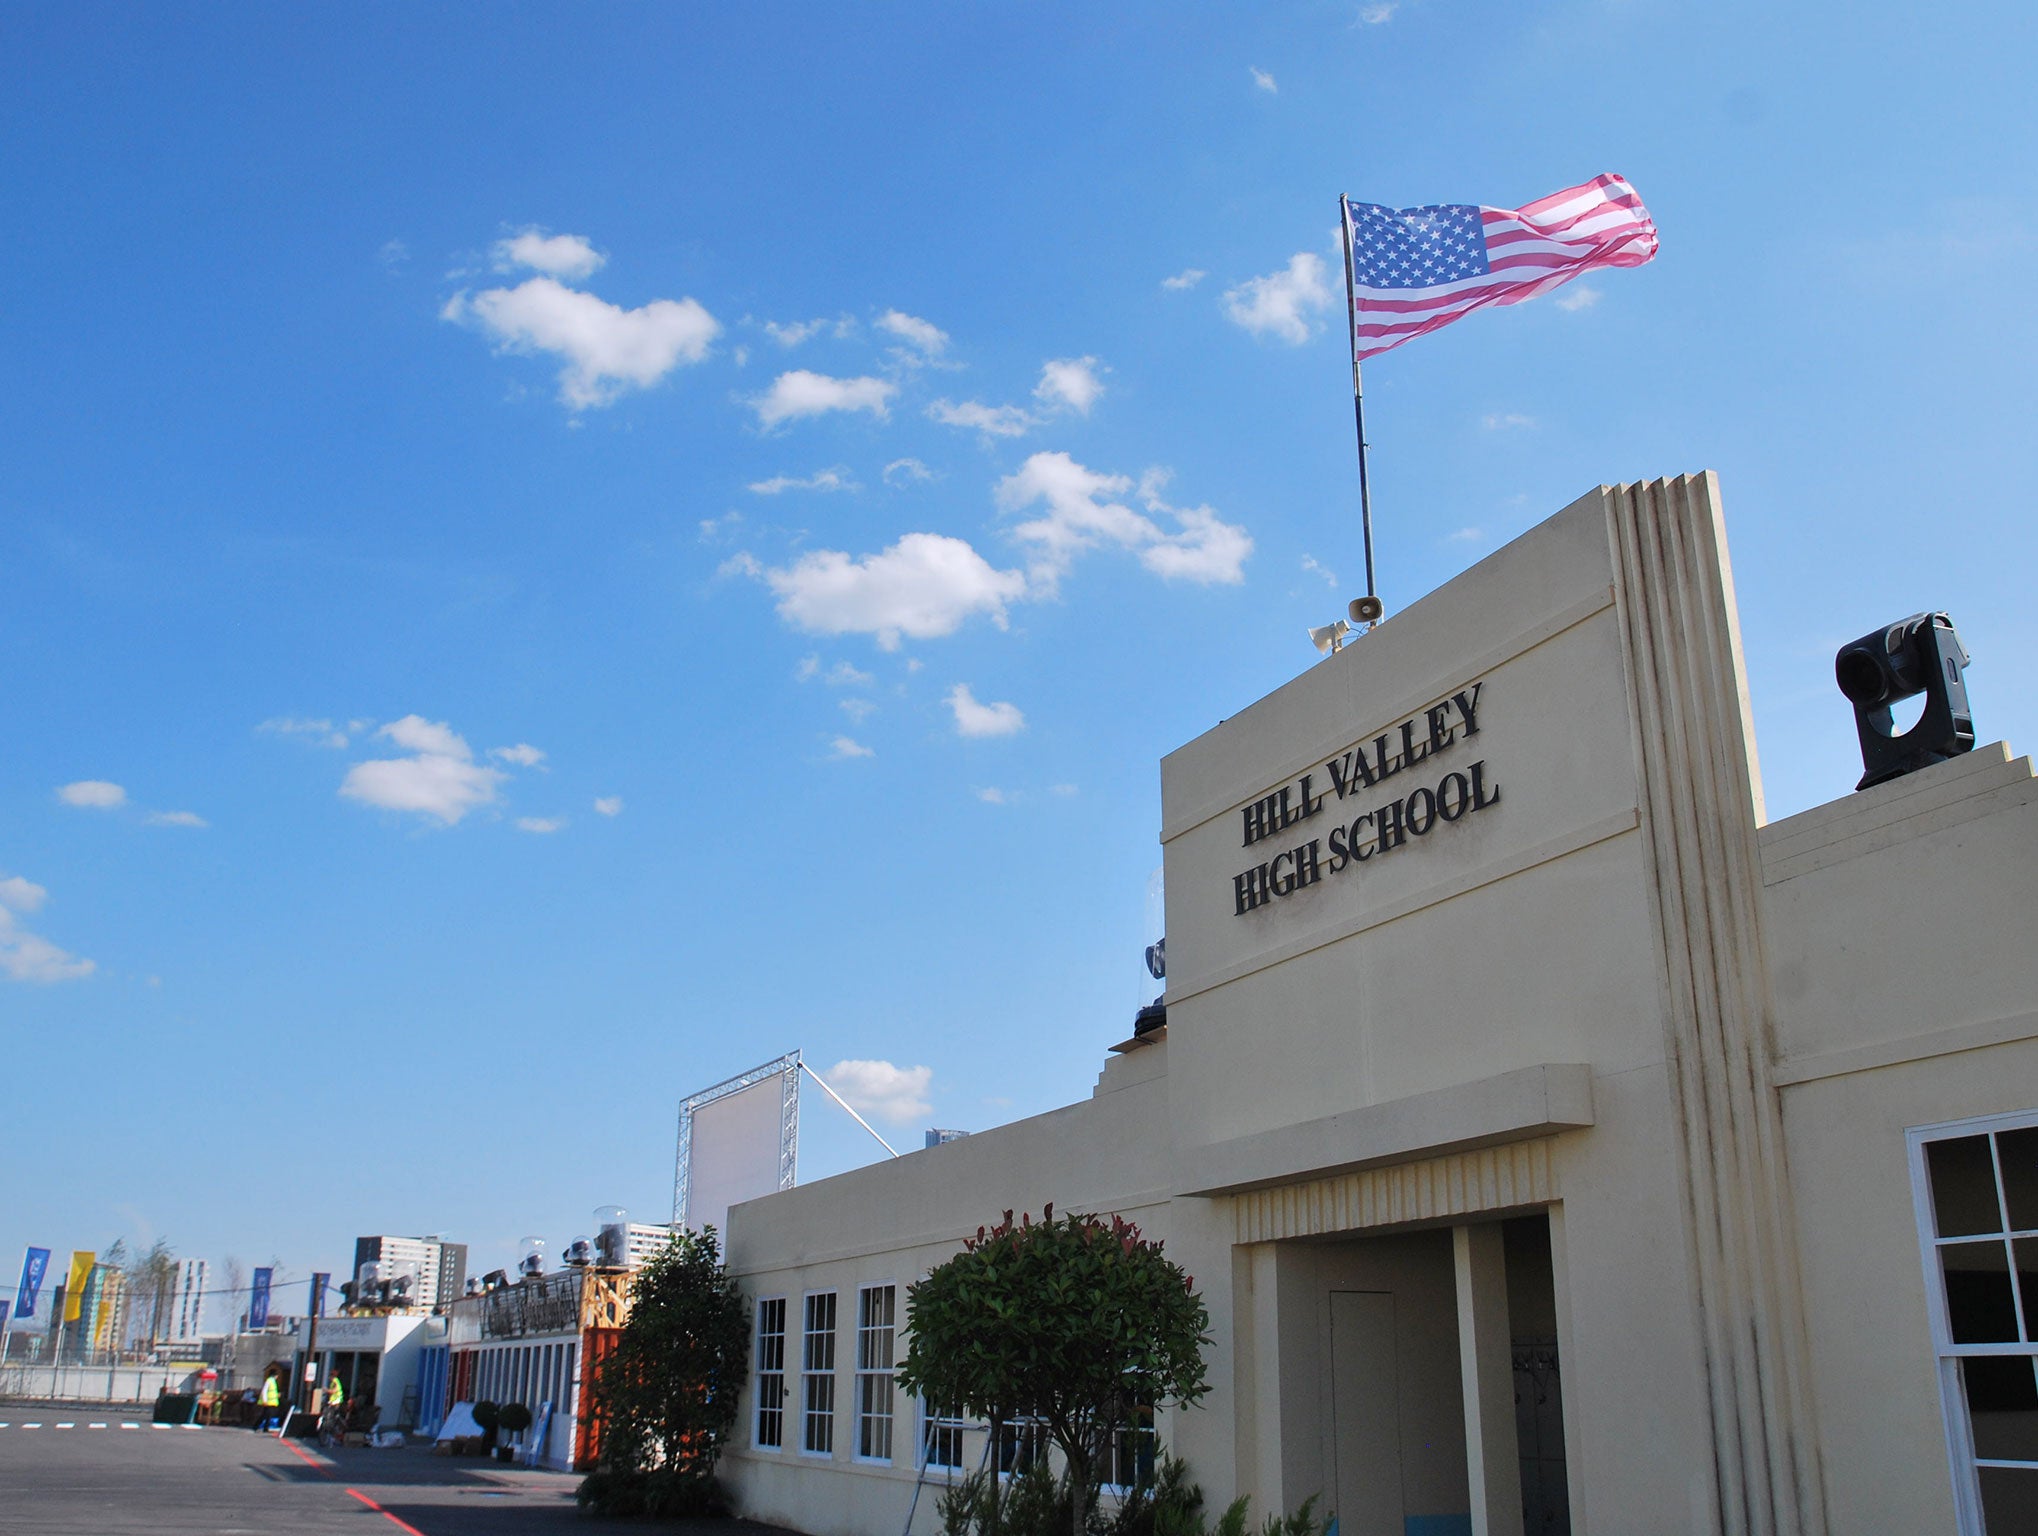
x: 734, y: 1154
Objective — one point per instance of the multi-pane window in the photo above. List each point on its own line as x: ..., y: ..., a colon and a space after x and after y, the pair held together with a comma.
x: 1977, y: 1188
x: 1022, y: 1440
x: 817, y: 1376
x: 771, y: 1373
x: 941, y: 1438
x: 1128, y: 1464
x: 876, y: 1333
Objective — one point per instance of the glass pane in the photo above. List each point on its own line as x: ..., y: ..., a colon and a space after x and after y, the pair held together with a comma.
x: 2009, y: 1500
x: 2027, y: 1282
x: 1963, y: 1186
x: 2018, y: 1151
x: 1979, y: 1306
x: 2002, y: 1404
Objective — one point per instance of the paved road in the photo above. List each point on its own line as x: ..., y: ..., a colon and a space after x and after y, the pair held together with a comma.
x: 80, y: 1471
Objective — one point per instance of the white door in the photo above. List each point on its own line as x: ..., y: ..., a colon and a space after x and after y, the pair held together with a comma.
x: 1365, y: 1399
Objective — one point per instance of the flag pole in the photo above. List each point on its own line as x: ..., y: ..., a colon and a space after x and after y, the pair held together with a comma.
x: 1344, y: 206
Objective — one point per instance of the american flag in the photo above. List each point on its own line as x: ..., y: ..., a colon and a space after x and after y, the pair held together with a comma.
x: 1414, y: 269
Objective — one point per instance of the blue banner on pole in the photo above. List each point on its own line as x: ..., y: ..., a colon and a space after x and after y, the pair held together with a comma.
x: 318, y: 1293
x: 258, y: 1300
x: 34, y: 1265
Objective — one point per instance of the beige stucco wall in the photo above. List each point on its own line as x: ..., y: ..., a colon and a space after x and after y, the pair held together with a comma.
x: 1901, y: 922
x: 1609, y: 994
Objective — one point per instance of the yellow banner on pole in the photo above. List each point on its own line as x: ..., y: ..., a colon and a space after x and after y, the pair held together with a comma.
x: 82, y: 1261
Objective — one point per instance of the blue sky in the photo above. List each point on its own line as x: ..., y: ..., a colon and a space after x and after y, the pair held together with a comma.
x: 574, y: 550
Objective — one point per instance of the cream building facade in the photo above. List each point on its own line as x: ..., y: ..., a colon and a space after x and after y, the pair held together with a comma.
x: 1558, y: 1144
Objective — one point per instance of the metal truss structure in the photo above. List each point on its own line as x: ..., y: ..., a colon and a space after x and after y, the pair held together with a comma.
x: 787, y: 1070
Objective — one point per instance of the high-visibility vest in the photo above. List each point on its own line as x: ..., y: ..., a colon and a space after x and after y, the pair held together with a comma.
x: 334, y: 1394
x: 270, y: 1396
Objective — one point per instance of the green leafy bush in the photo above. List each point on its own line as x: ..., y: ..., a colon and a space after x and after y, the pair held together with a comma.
x: 1038, y: 1503
x: 1078, y: 1322
x: 666, y: 1396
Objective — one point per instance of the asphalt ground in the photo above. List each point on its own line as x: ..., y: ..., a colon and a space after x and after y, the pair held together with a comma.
x: 80, y: 1470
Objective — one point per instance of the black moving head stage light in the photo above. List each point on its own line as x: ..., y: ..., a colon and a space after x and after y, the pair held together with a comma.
x: 1920, y: 654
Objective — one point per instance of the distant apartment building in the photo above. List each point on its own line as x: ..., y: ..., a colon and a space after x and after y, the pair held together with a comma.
x: 189, y: 1317
x: 441, y: 1266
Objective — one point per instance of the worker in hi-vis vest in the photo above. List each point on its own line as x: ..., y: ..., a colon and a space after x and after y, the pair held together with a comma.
x: 335, y: 1393
x: 271, y: 1400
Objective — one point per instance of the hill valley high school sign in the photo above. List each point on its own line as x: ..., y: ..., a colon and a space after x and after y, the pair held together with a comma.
x: 1353, y: 777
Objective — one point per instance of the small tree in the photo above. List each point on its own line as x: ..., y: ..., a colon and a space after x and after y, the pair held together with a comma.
x: 1069, y: 1318
x: 666, y: 1396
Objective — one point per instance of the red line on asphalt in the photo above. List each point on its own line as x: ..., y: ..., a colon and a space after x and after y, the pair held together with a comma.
x: 385, y: 1514
x: 309, y: 1460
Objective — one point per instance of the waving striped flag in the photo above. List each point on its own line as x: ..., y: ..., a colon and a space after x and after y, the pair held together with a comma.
x: 1414, y: 269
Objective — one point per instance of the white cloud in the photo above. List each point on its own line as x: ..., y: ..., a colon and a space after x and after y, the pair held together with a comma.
x: 974, y: 719
x: 1069, y: 383
x: 991, y: 795
x: 923, y: 336
x: 1378, y: 13
x: 820, y: 480
x: 26, y: 956
x: 897, y: 1095
x: 1079, y: 517
x: 607, y: 349
x: 394, y: 253
x: 323, y: 732
x: 523, y: 754
x: 794, y: 332
x: 93, y: 794
x: 414, y: 733
x: 1284, y: 303
x: 568, y: 256
x: 924, y: 586
x: 1264, y: 80
x: 903, y: 471
x: 540, y: 824
x: 1188, y: 277
x: 440, y: 780
x: 1502, y: 421
x: 858, y: 710
x: 177, y: 819
x: 716, y: 530
x: 1064, y: 790
x: 991, y: 420
x: 742, y: 563
x: 20, y: 895
x: 1310, y: 563
x: 609, y: 805
x: 1467, y: 536
x: 803, y: 393
x: 843, y: 747
x: 1576, y: 297
x: 843, y: 675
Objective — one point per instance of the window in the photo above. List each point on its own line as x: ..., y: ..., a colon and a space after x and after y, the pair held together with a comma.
x: 1022, y: 1440
x: 817, y: 1376
x: 1976, y: 1188
x: 1129, y: 1462
x: 941, y: 1438
x: 771, y: 1374
x: 876, y: 1331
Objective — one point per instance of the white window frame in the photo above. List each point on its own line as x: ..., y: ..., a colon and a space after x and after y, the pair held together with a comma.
x: 758, y: 1411
x: 818, y: 1381
x: 932, y: 1423
x: 1028, y: 1432
x: 1960, y: 1456
x: 1122, y: 1433
x: 869, y: 1374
